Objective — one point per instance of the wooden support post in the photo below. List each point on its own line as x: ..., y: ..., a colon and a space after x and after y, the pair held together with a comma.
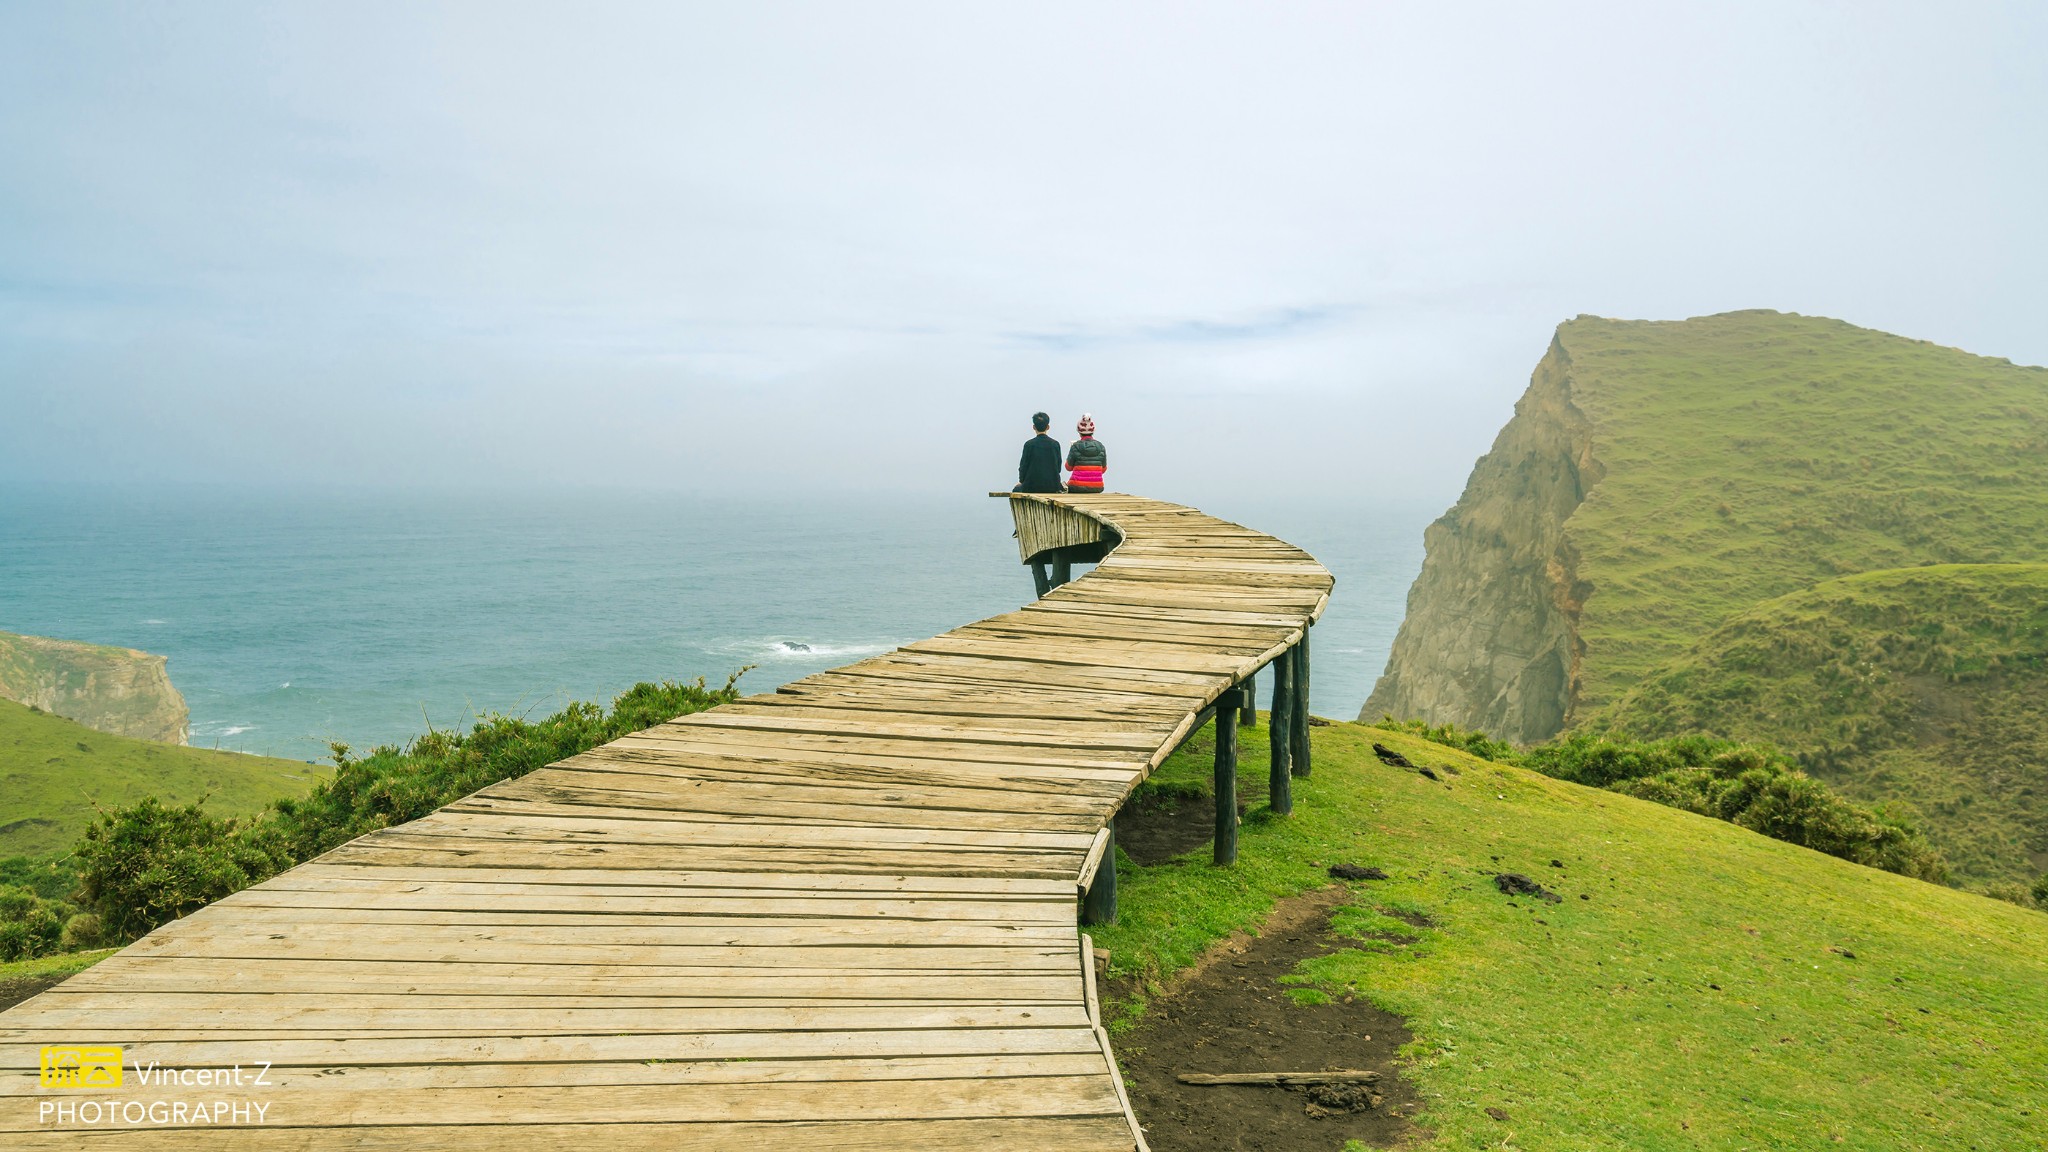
x: 1280, y: 735
x: 1062, y: 569
x: 1226, y: 777
x: 1039, y: 579
x: 1249, y: 716
x: 1300, y: 714
x: 1099, y: 906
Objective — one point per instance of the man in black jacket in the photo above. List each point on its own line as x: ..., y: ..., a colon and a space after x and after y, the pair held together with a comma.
x: 1038, y: 470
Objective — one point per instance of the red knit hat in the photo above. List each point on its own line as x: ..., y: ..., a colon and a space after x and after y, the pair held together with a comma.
x: 1087, y: 425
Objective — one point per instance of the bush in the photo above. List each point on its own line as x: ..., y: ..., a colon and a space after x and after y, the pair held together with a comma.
x: 1604, y: 761
x: 2040, y: 892
x: 2012, y: 892
x: 1760, y: 790
x: 1450, y: 735
x: 147, y: 864
x: 30, y: 926
x: 1757, y: 787
x: 83, y: 931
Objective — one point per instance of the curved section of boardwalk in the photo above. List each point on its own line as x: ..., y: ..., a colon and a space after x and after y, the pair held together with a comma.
x: 839, y: 916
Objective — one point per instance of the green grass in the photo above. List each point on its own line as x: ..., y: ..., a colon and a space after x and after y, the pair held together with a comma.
x: 1927, y: 685
x: 44, y: 967
x: 1855, y: 1008
x: 54, y: 773
x: 1752, y: 454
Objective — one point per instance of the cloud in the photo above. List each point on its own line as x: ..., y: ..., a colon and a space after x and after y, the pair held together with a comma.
x: 522, y: 244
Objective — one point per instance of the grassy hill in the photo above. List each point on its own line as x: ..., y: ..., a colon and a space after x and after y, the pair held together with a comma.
x: 1716, y: 989
x: 1750, y: 455
x: 1928, y: 685
x: 53, y: 771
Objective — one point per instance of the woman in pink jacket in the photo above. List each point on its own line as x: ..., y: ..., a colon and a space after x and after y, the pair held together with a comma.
x: 1087, y: 459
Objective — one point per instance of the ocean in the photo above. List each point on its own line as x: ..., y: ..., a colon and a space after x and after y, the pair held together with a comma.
x: 299, y: 619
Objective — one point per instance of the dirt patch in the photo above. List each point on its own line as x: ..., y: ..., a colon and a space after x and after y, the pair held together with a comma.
x: 1516, y: 884
x: 1159, y: 823
x: 14, y: 990
x: 1230, y: 1013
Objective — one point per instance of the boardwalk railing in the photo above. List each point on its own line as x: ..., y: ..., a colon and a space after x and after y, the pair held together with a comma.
x: 842, y: 915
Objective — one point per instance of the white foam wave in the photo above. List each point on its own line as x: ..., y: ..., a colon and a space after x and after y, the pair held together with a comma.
x: 779, y: 648
x: 236, y: 729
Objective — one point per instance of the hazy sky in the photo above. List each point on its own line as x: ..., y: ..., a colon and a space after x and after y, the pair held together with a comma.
x: 854, y: 245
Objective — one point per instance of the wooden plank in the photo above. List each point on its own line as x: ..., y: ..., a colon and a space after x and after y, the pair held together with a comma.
x: 761, y: 811
x: 743, y: 910
x: 825, y: 768
x: 666, y: 828
x: 1186, y: 617
x: 849, y: 1072
x: 707, y: 736
x: 681, y: 789
x: 18, y: 1046
x: 849, y: 690
x: 1124, y: 655
x: 1159, y: 639
x: 586, y: 982
x: 989, y: 670
x: 1093, y: 860
x: 1069, y: 1134
x: 663, y: 878
x: 921, y: 726
x: 613, y: 1105
x: 401, y: 846
x: 634, y: 928
x: 313, y: 1015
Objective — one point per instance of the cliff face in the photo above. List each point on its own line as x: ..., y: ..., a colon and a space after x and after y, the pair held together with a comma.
x: 117, y: 690
x: 1491, y: 635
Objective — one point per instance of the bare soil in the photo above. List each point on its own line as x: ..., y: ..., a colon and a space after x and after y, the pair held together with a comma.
x: 1230, y: 1013
x: 1158, y: 824
x: 16, y: 989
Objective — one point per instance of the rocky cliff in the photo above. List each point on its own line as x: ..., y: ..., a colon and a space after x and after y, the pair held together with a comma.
x: 1491, y: 640
x: 117, y: 690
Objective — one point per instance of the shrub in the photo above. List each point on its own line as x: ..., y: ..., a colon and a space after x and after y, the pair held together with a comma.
x: 30, y: 926
x: 148, y: 864
x: 2040, y: 892
x: 2012, y: 892
x: 1760, y: 790
x: 83, y: 931
x: 1450, y: 735
x: 1603, y: 761
x: 1755, y: 786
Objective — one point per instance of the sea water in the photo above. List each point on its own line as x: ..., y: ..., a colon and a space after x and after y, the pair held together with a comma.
x: 295, y: 620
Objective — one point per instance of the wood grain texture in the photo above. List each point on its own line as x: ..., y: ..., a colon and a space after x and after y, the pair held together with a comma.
x: 839, y: 916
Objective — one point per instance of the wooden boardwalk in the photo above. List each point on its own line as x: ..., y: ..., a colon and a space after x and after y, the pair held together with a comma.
x: 842, y: 916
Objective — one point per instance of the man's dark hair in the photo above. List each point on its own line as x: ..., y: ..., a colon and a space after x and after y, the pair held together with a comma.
x: 1041, y: 421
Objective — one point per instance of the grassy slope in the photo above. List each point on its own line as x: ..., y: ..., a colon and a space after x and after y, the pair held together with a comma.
x: 1752, y: 454
x: 53, y: 771
x: 1923, y: 684
x: 1592, y: 1022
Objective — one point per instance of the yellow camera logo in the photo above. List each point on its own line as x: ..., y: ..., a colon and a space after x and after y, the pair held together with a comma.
x: 79, y: 1066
